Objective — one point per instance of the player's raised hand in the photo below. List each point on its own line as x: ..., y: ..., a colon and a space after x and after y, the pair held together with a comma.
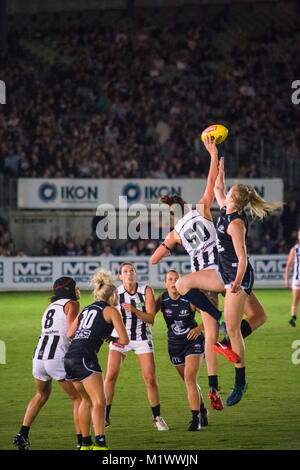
x: 210, y: 145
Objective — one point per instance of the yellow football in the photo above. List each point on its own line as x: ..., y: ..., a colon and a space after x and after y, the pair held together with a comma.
x: 218, y: 131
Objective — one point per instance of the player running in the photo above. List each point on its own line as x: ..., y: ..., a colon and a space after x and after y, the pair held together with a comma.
x: 48, y: 358
x: 137, y: 306
x: 294, y: 263
x: 185, y: 345
x: 93, y: 325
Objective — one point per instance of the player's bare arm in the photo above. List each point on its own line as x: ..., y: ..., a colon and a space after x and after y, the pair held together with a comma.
x: 237, y: 231
x: 112, y: 315
x: 206, y: 201
x: 166, y: 247
x: 71, y: 309
x: 220, y: 184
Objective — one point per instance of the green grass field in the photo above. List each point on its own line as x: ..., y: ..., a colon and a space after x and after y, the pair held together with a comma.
x: 268, y: 417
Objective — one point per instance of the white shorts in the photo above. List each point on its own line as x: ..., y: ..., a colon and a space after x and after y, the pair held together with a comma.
x: 295, y: 284
x: 138, y: 347
x: 46, y: 370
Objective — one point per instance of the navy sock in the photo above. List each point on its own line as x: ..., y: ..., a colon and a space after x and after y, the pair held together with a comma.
x: 79, y: 439
x: 100, y: 440
x: 240, y: 376
x: 202, y: 408
x: 197, y: 298
x: 87, y: 441
x: 156, y: 411
x: 213, y: 381
x: 107, y: 411
x: 245, y: 329
x: 195, y: 415
x: 25, y: 431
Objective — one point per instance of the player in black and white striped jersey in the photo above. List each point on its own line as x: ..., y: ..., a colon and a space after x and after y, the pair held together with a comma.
x: 293, y: 264
x: 195, y: 231
x: 138, y: 309
x: 48, y: 357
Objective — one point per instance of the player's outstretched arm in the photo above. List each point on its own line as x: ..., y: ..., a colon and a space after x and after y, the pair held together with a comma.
x: 220, y: 184
x: 209, y: 195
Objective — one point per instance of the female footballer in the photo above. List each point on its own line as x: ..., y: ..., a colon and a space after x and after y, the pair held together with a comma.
x: 185, y: 345
x: 195, y: 231
x: 137, y: 306
x: 48, y: 358
x: 92, y: 326
x: 294, y: 263
x: 188, y: 285
x: 235, y: 273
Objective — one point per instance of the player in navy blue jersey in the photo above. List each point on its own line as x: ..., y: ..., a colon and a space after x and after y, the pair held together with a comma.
x: 91, y: 328
x: 234, y: 273
x: 185, y: 345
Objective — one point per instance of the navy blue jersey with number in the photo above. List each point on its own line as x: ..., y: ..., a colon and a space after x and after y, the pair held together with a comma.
x: 91, y: 331
x: 178, y: 315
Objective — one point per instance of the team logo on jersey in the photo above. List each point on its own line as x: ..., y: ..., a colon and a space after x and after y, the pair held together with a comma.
x: 168, y: 312
x: 140, y: 305
x: 221, y: 228
x: 178, y: 329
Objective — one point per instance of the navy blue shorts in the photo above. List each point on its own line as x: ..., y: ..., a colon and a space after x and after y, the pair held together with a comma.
x: 80, y: 368
x: 182, y: 348
x: 228, y: 275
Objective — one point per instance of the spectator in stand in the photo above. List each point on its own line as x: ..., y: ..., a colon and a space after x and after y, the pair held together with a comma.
x: 290, y: 221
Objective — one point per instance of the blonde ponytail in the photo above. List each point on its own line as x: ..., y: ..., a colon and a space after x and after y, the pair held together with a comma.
x: 103, y: 282
x: 243, y: 195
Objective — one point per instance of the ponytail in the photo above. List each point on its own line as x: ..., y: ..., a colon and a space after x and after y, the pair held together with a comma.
x: 103, y: 283
x: 243, y: 195
x: 174, y: 199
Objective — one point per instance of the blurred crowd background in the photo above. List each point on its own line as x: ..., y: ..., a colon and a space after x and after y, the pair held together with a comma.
x: 105, y: 95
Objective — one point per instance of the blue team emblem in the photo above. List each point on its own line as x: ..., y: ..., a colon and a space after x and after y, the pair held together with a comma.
x: 168, y: 312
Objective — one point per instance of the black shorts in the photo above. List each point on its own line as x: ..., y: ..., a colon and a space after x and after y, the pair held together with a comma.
x: 228, y: 274
x: 182, y: 348
x: 80, y: 368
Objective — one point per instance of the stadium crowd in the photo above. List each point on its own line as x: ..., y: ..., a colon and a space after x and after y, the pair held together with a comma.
x: 131, y: 103
x: 117, y: 102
